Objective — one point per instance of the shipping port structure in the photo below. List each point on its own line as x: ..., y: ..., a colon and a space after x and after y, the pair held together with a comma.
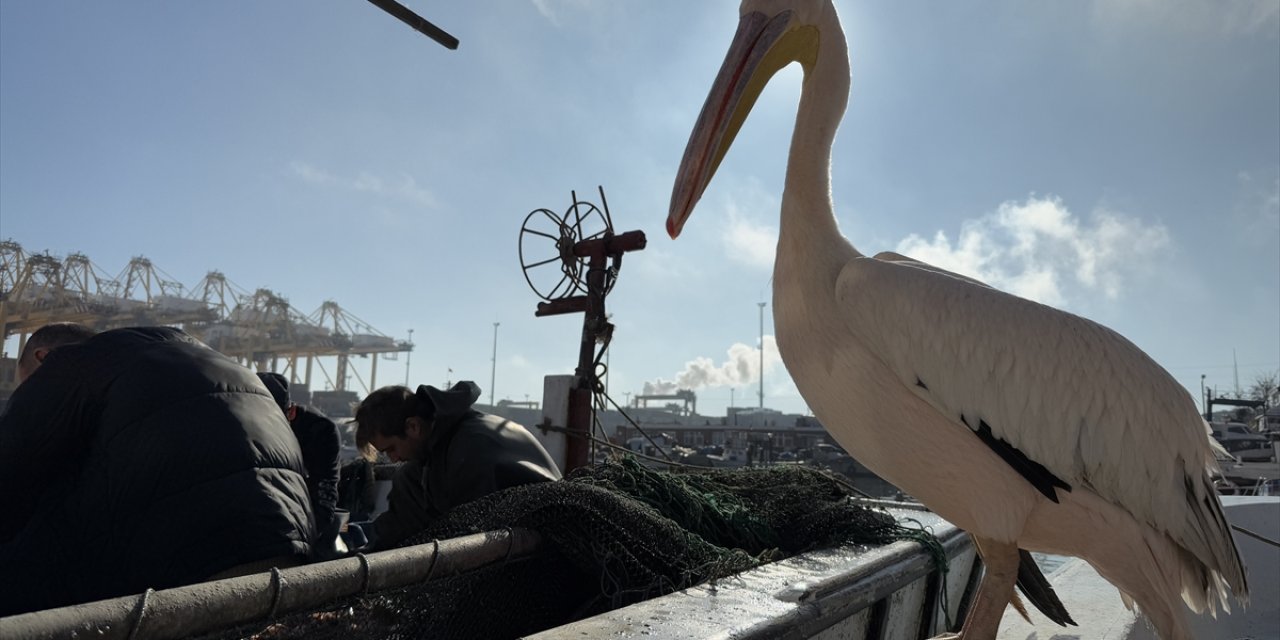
x: 317, y: 352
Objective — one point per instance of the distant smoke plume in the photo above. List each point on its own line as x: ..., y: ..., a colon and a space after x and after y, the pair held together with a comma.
x: 741, y: 369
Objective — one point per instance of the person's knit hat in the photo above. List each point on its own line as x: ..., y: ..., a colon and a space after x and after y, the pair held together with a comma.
x: 278, y: 386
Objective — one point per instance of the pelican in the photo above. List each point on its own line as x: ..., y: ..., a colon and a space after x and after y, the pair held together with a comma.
x: 1028, y: 427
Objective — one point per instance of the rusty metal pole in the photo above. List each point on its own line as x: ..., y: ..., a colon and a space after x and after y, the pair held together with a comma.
x: 575, y: 445
x: 595, y: 325
x: 580, y: 398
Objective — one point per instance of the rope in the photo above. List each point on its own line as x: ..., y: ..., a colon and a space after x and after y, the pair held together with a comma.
x: 849, y: 485
x: 511, y: 544
x: 934, y: 548
x: 277, y: 584
x: 634, y: 424
x: 139, y: 612
x: 606, y: 443
x: 1257, y: 536
x: 598, y: 388
x: 668, y: 462
x: 364, y: 579
x: 598, y: 370
x: 435, y: 556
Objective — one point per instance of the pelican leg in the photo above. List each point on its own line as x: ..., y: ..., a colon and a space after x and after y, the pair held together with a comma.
x: 1000, y: 570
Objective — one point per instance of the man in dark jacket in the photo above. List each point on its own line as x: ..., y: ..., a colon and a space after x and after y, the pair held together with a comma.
x: 318, y: 436
x: 140, y: 458
x: 453, y: 454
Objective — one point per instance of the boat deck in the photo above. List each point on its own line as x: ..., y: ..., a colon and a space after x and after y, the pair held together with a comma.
x: 890, y: 593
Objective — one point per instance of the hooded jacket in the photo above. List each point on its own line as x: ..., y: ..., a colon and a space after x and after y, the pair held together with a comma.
x: 142, y: 458
x: 320, y: 442
x: 466, y: 455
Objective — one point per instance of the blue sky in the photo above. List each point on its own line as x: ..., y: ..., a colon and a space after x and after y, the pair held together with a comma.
x: 1116, y: 158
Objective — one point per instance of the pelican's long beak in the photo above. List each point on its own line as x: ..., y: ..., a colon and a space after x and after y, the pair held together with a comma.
x: 753, y: 58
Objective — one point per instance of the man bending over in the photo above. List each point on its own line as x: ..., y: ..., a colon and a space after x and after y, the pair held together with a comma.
x: 453, y: 453
x: 140, y: 458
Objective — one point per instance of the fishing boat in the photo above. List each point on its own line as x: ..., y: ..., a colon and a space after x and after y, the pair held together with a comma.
x: 900, y: 590
x: 893, y: 591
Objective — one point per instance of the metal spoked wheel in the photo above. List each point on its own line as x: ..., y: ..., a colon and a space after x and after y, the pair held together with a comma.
x: 546, y: 248
x: 546, y: 255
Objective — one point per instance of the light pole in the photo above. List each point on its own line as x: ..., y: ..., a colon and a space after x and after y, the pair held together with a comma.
x: 761, y: 354
x: 408, y: 358
x: 493, y: 372
x: 1204, y: 406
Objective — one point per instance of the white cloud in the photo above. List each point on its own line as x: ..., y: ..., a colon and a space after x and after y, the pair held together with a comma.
x: 746, y: 241
x: 402, y: 187
x: 741, y: 368
x: 1039, y: 249
x: 751, y: 244
x: 311, y: 174
x: 544, y: 8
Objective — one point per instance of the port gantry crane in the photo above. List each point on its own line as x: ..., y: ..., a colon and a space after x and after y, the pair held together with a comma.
x: 259, y: 329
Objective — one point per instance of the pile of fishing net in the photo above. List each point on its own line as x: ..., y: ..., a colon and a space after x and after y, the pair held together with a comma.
x: 613, y: 534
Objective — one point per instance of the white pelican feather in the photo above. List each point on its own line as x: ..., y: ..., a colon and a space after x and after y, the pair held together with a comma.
x: 1029, y: 427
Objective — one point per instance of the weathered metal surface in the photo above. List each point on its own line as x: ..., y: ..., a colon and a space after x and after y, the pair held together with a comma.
x: 850, y: 592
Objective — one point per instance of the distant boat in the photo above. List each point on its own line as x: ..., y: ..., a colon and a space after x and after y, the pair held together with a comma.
x: 1242, y: 442
x: 1254, y: 478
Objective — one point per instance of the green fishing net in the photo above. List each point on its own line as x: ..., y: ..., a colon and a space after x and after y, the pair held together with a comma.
x: 613, y: 534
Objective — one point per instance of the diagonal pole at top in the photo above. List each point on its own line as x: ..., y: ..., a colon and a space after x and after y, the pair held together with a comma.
x: 419, y: 24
